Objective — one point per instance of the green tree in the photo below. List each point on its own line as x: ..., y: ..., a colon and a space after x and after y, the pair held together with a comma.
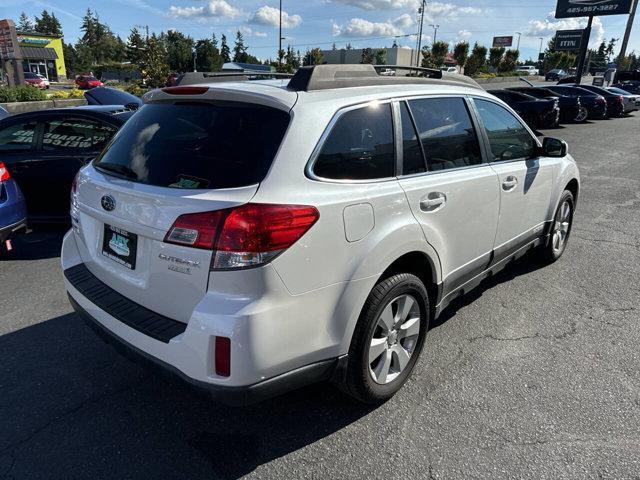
x: 71, y: 60
x: 25, y: 24
x: 154, y: 63
x: 439, y: 52
x: 367, y: 56
x: 313, y: 57
x: 98, y: 43
x: 136, y: 45
x: 240, y: 49
x: 477, y: 61
x: 495, y: 57
x: 460, y: 53
x: 48, y: 24
x: 427, y: 58
x: 179, y: 49
x: 205, y: 56
x: 225, y: 52
x: 381, y: 56
x: 509, y: 61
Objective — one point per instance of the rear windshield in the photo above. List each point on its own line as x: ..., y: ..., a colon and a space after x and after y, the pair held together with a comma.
x: 196, y: 145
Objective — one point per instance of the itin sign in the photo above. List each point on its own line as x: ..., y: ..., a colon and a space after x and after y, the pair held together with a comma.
x: 592, y: 8
x: 568, y: 40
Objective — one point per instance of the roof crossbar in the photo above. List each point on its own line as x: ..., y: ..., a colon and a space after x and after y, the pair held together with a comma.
x: 325, y: 77
x: 194, y: 78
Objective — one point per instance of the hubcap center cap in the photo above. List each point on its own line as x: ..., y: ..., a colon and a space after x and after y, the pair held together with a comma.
x: 392, y: 339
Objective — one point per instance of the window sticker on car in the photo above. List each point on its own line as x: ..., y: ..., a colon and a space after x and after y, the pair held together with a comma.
x: 185, y: 181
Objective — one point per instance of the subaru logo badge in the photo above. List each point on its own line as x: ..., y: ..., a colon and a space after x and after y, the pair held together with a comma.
x: 108, y: 203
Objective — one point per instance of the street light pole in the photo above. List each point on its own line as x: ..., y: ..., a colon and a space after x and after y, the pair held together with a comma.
x: 540, y: 51
x: 627, y: 34
x: 519, y: 35
x: 421, y: 12
x: 435, y: 32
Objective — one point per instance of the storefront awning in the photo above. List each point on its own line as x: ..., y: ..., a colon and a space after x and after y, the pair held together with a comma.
x: 34, y: 53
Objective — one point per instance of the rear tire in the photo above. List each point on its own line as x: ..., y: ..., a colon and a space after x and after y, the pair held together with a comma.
x: 560, y: 229
x: 388, y: 339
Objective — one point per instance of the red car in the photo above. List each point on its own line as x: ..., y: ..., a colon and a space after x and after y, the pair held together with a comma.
x: 35, y: 80
x: 86, y: 82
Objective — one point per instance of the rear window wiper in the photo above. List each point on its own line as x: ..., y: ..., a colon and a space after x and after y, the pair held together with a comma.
x: 117, y: 168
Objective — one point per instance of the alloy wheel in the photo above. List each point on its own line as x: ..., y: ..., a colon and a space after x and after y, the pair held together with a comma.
x: 561, y: 227
x: 583, y: 113
x: 394, y: 339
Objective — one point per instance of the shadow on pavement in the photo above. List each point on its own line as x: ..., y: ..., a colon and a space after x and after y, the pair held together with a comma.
x: 71, y: 407
x: 38, y: 244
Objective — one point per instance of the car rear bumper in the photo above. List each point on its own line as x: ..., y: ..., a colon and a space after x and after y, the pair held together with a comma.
x: 237, y: 396
x: 279, y: 342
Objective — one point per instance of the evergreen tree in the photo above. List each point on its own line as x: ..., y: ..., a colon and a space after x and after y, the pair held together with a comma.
x: 240, y: 49
x: 179, y: 48
x: 225, y: 52
x: 477, y: 60
x: 460, y: 53
x: 367, y: 56
x: 313, y: 57
x: 217, y: 61
x: 48, y: 24
x: 205, y: 55
x: 136, y: 46
x: 154, y: 63
x: 439, y: 52
x: 509, y: 61
x: 381, y: 56
x: 25, y: 24
x: 495, y: 57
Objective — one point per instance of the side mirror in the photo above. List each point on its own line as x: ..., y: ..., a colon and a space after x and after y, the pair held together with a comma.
x: 554, y: 147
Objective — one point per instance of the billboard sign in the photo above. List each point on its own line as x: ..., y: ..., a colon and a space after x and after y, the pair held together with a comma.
x: 502, y: 41
x: 9, y: 48
x: 568, y: 40
x: 587, y: 8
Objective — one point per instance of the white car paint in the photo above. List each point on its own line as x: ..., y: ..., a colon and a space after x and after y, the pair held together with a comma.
x: 302, y: 307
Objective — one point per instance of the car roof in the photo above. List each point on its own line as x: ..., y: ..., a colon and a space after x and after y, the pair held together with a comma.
x: 101, y: 112
x: 275, y: 93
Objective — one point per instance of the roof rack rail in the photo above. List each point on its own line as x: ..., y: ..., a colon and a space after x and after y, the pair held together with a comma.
x: 432, y: 72
x: 194, y: 78
x: 325, y: 77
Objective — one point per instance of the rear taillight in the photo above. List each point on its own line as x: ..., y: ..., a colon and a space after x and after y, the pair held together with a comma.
x: 245, y: 236
x: 4, y: 173
x: 620, y: 99
x: 600, y: 100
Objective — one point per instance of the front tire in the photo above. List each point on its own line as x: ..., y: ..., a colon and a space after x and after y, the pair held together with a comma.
x: 560, y: 229
x: 388, y: 338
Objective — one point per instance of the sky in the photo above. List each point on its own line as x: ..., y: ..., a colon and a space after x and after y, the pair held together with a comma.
x: 320, y: 23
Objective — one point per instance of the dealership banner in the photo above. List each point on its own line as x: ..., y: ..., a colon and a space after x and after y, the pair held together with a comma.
x: 568, y: 40
x: 587, y: 8
x: 502, y: 41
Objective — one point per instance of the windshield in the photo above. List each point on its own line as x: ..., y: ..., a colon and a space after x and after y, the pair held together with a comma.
x: 193, y: 145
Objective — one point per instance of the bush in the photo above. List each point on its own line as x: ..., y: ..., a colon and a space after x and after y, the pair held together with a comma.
x: 7, y: 95
x: 59, y: 94
x: 134, y: 89
x: 76, y: 93
x: 23, y: 93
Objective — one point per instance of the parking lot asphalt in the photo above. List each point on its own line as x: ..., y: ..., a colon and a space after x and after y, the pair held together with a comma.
x: 534, y: 375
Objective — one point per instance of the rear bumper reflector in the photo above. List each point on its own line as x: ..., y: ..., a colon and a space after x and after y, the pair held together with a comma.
x: 130, y: 313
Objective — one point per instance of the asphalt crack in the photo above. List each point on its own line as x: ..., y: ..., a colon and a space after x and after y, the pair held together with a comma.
x: 573, y: 329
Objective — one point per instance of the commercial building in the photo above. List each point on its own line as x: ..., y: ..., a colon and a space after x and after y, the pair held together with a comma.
x: 405, y: 57
x: 43, y: 54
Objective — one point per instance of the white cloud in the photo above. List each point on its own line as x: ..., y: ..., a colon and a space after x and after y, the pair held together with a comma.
x: 433, y: 11
x: 214, y: 8
x: 359, y: 27
x: 548, y: 27
x: 403, y: 21
x: 380, y: 4
x: 270, y: 16
x: 260, y: 34
x: 464, y: 34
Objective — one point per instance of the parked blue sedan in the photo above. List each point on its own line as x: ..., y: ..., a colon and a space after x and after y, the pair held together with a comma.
x: 13, y: 209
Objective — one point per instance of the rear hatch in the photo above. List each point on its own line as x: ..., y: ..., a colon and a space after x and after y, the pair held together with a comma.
x: 170, y: 159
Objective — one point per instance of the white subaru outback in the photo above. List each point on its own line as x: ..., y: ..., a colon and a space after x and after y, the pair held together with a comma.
x: 252, y: 237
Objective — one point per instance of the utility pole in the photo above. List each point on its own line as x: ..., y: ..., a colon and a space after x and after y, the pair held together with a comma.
x: 421, y: 12
x: 540, y: 51
x: 519, y: 35
x: 280, y: 37
x: 435, y: 32
x: 584, y: 50
x: 627, y: 34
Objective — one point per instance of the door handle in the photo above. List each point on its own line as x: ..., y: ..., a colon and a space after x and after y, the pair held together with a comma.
x: 434, y: 201
x: 509, y: 183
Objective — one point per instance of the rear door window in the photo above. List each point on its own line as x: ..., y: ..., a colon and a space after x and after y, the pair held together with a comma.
x: 18, y: 136
x: 359, y: 146
x: 448, y: 137
x: 75, y: 134
x: 196, y: 145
